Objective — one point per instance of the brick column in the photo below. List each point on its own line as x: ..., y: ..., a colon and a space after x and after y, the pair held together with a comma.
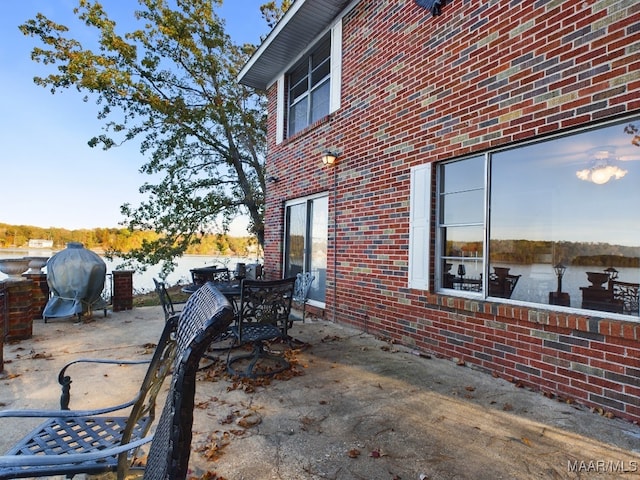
x: 122, y: 295
x: 3, y: 320
x: 19, y: 321
x: 39, y: 293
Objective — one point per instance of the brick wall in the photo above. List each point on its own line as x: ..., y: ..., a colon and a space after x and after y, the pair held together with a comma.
x: 19, y: 310
x: 122, y: 293
x: 3, y: 320
x: 418, y: 89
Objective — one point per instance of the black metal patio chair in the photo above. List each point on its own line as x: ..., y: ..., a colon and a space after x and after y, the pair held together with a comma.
x: 168, y: 304
x: 263, y: 315
x: 71, y: 442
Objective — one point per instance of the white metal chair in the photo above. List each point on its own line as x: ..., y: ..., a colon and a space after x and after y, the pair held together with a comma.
x: 301, y: 290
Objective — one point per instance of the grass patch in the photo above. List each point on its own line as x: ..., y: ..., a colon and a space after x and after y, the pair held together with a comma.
x: 151, y: 299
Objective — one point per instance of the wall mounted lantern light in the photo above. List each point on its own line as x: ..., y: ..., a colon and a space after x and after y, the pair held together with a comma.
x: 329, y: 157
x: 434, y: 6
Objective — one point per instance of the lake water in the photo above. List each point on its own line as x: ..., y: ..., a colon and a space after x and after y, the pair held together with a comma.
x: 534, y: 285
x: 143, y: 282
x: 537, y: 281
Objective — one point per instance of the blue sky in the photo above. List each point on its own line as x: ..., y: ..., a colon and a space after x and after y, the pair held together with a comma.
x: 49, y: 176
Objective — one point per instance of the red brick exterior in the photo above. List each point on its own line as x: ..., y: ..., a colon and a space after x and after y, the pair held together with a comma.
x: 417, y: 89
x: 122, y: 298
x: 39, y: 293
x: 3, y: 320
x: 19, y: 309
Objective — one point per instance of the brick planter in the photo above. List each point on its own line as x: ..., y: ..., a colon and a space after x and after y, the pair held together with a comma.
x: 3, y: 311
x: 39, y: 293
x: 122, y: 298
x: 19, y: 305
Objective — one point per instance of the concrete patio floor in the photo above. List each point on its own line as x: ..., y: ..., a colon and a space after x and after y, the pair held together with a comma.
x: 354, y: 407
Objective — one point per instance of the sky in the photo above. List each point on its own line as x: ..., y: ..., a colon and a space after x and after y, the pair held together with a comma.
x: 49, y: 176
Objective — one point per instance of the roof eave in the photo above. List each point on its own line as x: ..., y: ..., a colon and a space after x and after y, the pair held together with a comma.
x: 296, y: 30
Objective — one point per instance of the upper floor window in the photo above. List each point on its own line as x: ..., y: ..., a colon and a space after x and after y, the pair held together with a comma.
x: 309, y: 88
x: 553, y: 222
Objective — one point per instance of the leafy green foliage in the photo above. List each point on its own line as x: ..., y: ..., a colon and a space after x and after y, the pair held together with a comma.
x: 171, y: 85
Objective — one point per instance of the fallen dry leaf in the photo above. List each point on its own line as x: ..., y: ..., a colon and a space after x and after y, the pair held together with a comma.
x: 526, y: 441
x: 377, y: 453
x: 249, y: 420
x: 39, y: 356
x: 207, y: 476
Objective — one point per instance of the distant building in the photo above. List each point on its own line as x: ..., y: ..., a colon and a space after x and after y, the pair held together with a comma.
x: 40, y: 243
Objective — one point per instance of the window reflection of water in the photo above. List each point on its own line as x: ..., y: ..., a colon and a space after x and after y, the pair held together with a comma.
x: 538, y: 280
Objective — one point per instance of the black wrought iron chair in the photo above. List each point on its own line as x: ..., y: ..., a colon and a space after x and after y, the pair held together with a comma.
x: 168, y: 305
x: 202, y: 275
x: 71, y: 442
x: 263, y: 315
x: 626, y: 294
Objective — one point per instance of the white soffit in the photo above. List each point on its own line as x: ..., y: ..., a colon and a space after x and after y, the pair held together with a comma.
x: 303, y: 22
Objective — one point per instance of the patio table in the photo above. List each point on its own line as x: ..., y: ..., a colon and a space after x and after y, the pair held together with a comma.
x: 231, y: 290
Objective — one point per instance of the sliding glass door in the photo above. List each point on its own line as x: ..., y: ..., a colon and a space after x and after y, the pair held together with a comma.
x: 306, y: 229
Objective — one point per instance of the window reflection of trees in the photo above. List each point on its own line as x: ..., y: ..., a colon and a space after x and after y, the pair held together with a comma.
x: 542, y: 213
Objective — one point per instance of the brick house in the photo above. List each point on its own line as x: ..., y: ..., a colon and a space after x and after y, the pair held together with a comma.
x: 483, y: 202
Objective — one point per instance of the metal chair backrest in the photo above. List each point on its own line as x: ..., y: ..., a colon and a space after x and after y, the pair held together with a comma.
x: 143, y: 411
x: 301, y: 290
x: 206, y: 315
x: 265, y: 302
x: 203, y: 275
x: 627, y: 294
x: 165, y: 299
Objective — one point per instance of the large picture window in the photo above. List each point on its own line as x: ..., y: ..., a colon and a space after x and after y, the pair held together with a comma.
x: 554, y: 222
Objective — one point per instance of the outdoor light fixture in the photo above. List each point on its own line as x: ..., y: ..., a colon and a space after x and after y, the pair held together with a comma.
x: 434, y: 6
x: 559, y: 269
x: 559, y: 297
x: 602, y: 171
x: 329, y: 157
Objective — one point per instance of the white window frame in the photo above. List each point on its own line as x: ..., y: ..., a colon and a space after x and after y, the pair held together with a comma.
x: 335, y: 80
x: 291, y: 203
x: 422, y: 205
